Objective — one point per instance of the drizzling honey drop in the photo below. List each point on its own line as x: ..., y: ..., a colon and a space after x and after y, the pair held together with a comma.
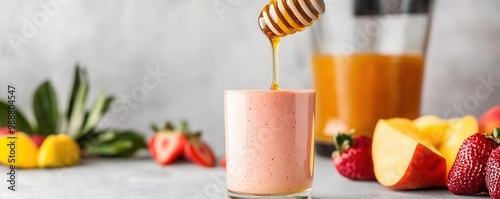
x: 275, y: 42
x: 280, y: 18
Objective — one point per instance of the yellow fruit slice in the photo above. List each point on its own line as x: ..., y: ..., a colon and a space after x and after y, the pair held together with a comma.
x: 459, y: 129
x: 402, y: 160
x: 432, y: 128
x: 58, y: 151
x: 23, y: 154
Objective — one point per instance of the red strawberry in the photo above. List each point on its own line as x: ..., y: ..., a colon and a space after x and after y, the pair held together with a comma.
x: 167, y: 145
x: 37, y: 139
x: 493, y: 170
x: 467, y: 175
x: 353, y: 158
x: 197, y: 151
x: 493, y: 174
x: 222, y: 162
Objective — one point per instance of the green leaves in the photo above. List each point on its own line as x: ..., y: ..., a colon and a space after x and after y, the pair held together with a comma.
x: 80, y: 77
x: 101, y: 105
x: 113, y: 143
x: 496, y: 133
x: 82, y: 123
x: 76, y: 106
x: 343, y: 141
x: 77, y: 117
x: 184, y: 126
x: 77, y: 122
x: 45, y: 109
x: 22, y: 124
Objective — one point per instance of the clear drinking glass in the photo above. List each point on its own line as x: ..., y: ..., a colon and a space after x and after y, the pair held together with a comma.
x: 368, y: 64
x: 269, y: 143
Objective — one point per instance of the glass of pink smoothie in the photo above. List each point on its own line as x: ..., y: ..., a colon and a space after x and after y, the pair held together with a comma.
x: 269, y: 143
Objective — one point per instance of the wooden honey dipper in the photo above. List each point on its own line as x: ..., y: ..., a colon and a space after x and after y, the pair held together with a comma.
x: 280, y: 18
x: 285, y: 17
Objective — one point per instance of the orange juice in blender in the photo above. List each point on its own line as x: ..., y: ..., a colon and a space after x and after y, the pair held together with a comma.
x: 368, y: 64
x: 358, y: 89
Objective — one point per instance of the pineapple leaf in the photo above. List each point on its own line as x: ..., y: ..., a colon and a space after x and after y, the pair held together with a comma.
x: 114, y: 143
x: 45, y: 109
x: 77, y: 117
x: 79, y: 78
x: 95, y: 114
x: 101, y: 105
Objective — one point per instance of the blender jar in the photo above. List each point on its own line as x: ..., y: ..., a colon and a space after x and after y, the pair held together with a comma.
x: 368, y: 64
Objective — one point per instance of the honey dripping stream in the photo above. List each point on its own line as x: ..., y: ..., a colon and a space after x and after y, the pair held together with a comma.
x: 285, y: 17
x: 275, y: 42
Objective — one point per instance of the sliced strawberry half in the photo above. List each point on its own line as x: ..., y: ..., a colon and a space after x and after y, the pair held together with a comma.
x: 197, y: 151
x: 166, y: 146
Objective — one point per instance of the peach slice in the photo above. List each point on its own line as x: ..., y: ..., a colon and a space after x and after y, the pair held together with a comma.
x: 403, y: 160
x: 490, y: 120
x: 459, y: 129
x: 432, y: 128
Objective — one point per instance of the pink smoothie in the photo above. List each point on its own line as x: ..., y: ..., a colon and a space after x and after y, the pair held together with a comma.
x: 269, y: 144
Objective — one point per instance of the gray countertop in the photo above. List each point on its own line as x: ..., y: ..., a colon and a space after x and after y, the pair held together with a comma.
x: 143, y: 178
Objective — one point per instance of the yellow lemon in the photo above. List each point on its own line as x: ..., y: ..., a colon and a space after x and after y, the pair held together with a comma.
x: 18, y: 150
x: 58, y: 151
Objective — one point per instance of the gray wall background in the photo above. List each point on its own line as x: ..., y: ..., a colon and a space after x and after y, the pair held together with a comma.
x: 205, y: 51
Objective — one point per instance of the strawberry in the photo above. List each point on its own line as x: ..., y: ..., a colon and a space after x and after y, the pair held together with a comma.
x: 467, y: 175
x: 37, y: 139
x: 493, y: 170
x: 222, y: 162
x: 197, y: 151
x: 166, y: 145
x: 353, y: 158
